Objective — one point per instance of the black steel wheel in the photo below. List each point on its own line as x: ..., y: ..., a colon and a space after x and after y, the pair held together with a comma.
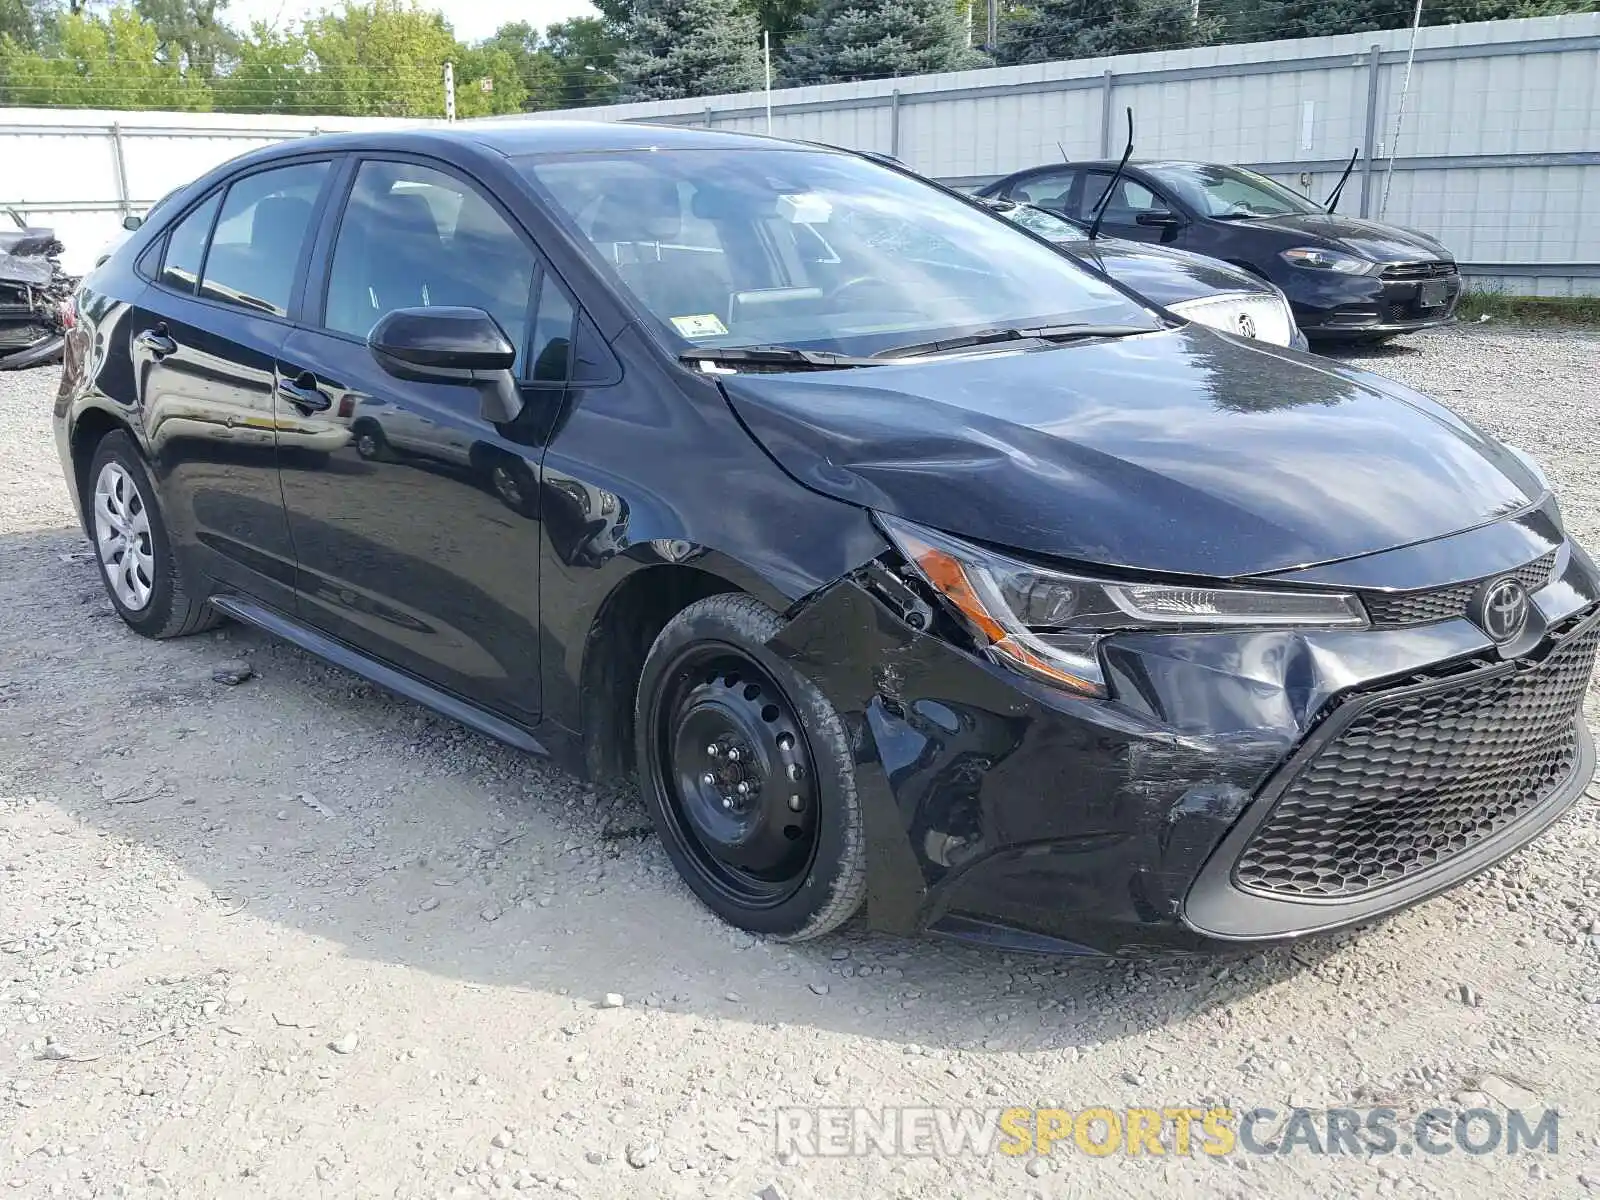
x: 747, y: 774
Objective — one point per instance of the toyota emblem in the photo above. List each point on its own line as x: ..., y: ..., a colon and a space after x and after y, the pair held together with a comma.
x: 1502, y: 609
x: 1247, y: 325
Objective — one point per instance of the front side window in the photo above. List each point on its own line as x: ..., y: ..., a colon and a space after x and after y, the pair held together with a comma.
x: 260, y: 234
x: 826, y: 251
x: 552, y: 334
x: 186, y: 247
x: 413, y: 237
x: 1231, y: 193
x: 1129, y: 198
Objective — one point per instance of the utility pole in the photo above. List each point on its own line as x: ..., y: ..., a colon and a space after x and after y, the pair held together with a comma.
x: 994, y: 25
x: 449, y: 91
x: 766, y: 54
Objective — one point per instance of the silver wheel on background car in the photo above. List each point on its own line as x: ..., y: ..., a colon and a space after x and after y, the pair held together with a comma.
x: 122, y: 536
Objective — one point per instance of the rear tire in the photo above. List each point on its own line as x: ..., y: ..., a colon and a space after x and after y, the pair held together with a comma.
x: 747, y: 772
x: 147, y: 585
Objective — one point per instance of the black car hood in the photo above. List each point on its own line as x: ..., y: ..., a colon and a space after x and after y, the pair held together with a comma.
x: 1370, y: 239
x: 1164, y: 275
x: 1182, y: 451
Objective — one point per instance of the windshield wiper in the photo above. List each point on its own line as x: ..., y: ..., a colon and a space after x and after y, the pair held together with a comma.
x: 791, y: 358
x: 985, y: 337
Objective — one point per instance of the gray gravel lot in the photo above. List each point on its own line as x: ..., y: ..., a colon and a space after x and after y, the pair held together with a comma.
x: 298, y: 939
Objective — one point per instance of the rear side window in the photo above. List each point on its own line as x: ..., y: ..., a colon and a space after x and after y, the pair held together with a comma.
x: 186, y: 247
x: 260, y: 234
x: 413, y: 237
x: 1046, y: 191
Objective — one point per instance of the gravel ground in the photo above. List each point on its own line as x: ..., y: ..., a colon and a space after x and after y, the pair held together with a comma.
x: 297, y: 939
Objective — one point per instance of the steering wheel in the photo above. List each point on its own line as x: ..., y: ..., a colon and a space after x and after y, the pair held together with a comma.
x: 855, y: 282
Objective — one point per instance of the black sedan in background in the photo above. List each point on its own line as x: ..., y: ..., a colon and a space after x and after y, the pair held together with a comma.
x: 909, y: 566
x: 1348, y: 279
x: 1195, y: 287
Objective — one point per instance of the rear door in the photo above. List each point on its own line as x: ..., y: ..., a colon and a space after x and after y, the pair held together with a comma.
x: 418, y: 539
x: 205, y: 336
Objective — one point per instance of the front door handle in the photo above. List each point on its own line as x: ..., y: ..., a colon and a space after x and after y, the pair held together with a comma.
x: 157, y: 341
x: 304, y: 394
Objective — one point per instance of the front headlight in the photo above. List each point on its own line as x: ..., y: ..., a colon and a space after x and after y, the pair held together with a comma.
x: 1326, y: 260
x: 1048, y: 624
x: 1264, y: 316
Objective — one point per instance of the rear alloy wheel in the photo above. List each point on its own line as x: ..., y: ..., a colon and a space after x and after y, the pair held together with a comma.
x: 145, y: 582
x: 747, y: 774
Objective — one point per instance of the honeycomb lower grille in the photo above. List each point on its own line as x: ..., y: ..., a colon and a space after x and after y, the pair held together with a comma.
x: 1414, y: 780
x: 1395, y: 610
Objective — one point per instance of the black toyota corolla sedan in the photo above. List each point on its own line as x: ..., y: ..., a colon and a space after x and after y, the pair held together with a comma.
x: 912, y: 568
x: 1348, y: 279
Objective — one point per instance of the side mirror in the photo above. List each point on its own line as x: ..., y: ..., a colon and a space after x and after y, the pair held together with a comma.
x: 132, y: 223
x: 462, y: 346
x: 1159, y: 218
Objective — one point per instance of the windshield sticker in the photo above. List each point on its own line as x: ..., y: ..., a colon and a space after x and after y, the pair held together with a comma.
x: 805, y: 208
x: 701, y: 325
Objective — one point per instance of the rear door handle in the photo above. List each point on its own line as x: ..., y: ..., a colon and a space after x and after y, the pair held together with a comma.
x: 157, y: 341
x: 304, y: 394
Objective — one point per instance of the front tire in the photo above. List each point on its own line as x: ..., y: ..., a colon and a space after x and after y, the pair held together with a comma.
x: 142, y: 576
x: 747, y: 772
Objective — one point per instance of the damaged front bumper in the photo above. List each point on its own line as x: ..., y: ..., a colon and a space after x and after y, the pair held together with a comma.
x: 1001, y: 810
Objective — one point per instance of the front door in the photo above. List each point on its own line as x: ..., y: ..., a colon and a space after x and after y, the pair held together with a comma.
x: 1131, y: 200
x: 206, y: 335
x: 418, y: 538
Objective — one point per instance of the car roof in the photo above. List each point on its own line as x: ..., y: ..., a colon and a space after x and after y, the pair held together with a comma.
x: 516, y: 136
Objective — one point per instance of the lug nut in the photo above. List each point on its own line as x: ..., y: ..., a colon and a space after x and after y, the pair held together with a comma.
x: 727, y: 802
x: 733, y: 754
x: 742, y: 788
x: 714, y: 749
x: 708, y: 779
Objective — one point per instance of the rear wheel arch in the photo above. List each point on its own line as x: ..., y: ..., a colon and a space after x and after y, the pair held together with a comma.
x: 88, y: 431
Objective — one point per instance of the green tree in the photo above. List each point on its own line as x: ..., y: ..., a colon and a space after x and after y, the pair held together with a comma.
x: 267, y: 73
x: 1057, y: 29
x: 378, y: 58
x: 872, y: 39
x: 1259, y: 20
x: 109, y: 61
x: 678, y: 48
x: 19, y: 24
x: 190, y: 33
x: 583, y: 51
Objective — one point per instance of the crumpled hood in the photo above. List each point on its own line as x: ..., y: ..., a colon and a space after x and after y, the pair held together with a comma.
x: 1369, y: 239
x: 1183, y: 451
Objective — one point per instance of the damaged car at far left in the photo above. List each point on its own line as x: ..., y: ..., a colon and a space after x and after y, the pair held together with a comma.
x: 35, y: 297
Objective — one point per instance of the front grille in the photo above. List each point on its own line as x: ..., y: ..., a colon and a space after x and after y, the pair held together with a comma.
x: 1413, y: 780
x: 1394, y: 610
x: 1419, y: 270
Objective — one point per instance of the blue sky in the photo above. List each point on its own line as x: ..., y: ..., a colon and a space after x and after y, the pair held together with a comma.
x: 472, y: 19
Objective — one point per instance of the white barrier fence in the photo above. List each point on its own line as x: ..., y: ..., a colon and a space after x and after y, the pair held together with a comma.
x: 1499, y: 154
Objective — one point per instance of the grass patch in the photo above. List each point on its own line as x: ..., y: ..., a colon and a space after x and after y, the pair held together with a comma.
x: 1581, y: 311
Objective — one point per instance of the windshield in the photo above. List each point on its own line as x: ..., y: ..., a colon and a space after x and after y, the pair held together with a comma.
x: 1045, y: 224
x: 1219, y: 191
x: 811, y: 249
